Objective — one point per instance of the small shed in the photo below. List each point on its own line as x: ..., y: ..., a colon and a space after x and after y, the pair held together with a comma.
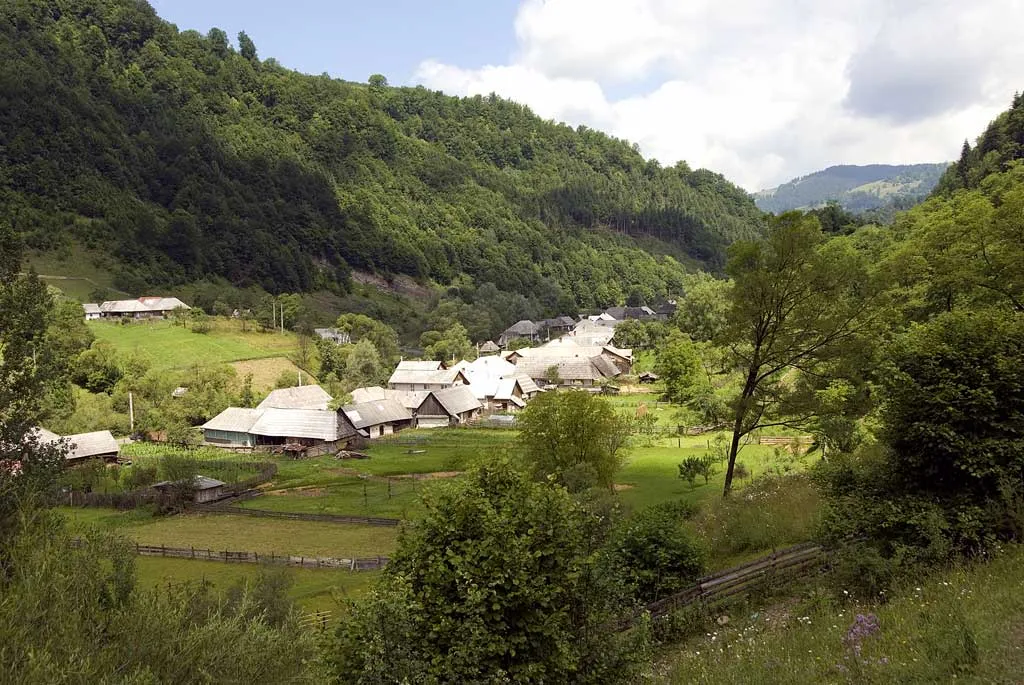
x: 648, y: 377
x: 458, y: 405
x: 204, y: 489
x: 379, y: 417
x: 92, y: 311
x: 489, y: 347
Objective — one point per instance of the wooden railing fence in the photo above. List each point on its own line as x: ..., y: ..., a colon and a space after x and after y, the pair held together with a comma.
x: 296, y: 516
x: 781, y: 566
x: 245, y: 557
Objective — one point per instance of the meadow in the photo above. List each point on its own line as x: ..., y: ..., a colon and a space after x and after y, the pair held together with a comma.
x: 959, y: 625
x: 170, y: 346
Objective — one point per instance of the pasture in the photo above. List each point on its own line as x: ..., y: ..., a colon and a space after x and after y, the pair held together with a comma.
x: 220, y: 532
x: 170, y: 346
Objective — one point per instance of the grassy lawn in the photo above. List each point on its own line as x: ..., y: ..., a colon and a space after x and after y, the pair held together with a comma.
x: 350, y: 497
x: 245, y: 533
x: 313, y: 590
x: 651, y: 473
x: 75, y: 272
x: 173, y: 347
x: 265, y: 372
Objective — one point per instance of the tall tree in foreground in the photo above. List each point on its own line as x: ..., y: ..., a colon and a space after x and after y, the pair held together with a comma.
x: 574, y: 436
x: 795, y: 303
x: 500, y: 581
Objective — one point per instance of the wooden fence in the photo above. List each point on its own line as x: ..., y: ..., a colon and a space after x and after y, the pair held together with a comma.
x: 355, y: 564
x: 782, y: 566
x: 785, y: 440
x: 296, y: 516
x: 143, y: 496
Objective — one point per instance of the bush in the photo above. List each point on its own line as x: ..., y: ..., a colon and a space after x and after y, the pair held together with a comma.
x: 656, y: 552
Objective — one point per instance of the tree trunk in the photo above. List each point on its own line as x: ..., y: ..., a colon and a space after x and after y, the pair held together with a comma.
x: 737, y: 427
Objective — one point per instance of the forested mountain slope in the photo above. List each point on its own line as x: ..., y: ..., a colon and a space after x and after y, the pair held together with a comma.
x: 1001, y: 143
x: 186, y: 158
x: 855, y: 188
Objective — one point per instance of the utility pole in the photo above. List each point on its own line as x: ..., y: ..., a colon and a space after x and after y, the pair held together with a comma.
x: 131, y: 412
x: 273, y: 313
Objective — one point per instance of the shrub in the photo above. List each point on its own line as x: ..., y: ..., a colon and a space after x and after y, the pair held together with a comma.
x: 656, y: 552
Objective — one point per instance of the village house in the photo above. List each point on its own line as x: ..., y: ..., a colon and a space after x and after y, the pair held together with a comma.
x: 593, y: 331
x: 413, y: 376
x: 319, y: 431
x: 335, y: 335
x: 301, y: 397
x: 449, y: 407
x: 379, y: 417
x: 631, y: 313
x: 520, y: 330
x: 498, y: 384
x: 92, y: 311
x: 568, y: 347
x: 204, y: 489
x: 489, y: 347
x: 581, y: 372
x: 141, y: 308
x: 84, y: 446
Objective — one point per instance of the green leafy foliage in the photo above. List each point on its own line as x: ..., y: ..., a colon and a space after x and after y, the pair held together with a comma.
x: 573, y: 436
x: 185, y: 158
x: 497, y: 582
x: 656, y: 552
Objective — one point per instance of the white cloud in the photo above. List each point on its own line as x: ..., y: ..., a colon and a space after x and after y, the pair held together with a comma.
x: 763, y: 90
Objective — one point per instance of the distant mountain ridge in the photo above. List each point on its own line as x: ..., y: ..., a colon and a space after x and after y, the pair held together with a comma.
x: 855, y: 188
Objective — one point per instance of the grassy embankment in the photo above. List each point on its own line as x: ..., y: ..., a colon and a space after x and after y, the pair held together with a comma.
x: 962, y: 625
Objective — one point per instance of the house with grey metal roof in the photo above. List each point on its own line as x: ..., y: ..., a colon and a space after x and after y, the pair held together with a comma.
x: 520, y: 330
x: 448, y: 407
x: 335, y: 335
x: 83, y: 446
x: 380, y: 417
x: 141, y: 308
x: 301, y: 397
x: 406, y: 378
x: 269, y: 427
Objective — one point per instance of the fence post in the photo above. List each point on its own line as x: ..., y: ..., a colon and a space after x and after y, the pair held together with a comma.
x: 352, y: 566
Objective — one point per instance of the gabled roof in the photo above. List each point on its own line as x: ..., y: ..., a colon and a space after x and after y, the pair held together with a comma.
x: 526, y: 384
x: 410, y: 399
x: 91, y: 308
x: 206, y: 483
x: 524, y: 327
x: 301, y: 423
x: 377, y: 412
x: 143, y: 304
x: 569, y: 368
x: 505, y: 388
x: 426, y: 376
x: 301, y: 397
x: 234, y: 420
x: 93, y: 444
x: 415, y: 365
x: 490, y: 347
x: 564, y: 347
x: 373, y: 392
x: 457, y: 400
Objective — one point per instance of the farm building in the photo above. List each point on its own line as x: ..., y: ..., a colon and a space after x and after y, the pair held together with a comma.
x: 593, y: 332
x: 237, y: 427
x: 336, y: 336
x: 583, y: 372
x: 567, y: 348
x: 84, y: 446
x: 379, y: 417
x: 498, y: 385
x: 411, y: 378
x: 448, y: 407
x: 142, y: 308
x: 520, y: 330
x: 204, y: 489
x: 301, y: 397
x: 648, y: 377
x: 92, y: 311
x: 489, y: 347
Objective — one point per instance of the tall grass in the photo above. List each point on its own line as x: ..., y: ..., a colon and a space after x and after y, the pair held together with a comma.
x: 962, y: 625
x: 769, y: 513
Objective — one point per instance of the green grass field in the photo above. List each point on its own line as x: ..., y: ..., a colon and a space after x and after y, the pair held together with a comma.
x: 220, y: 532
x: 168, y: 346
x: 76, y: 272
x: 313, y: 590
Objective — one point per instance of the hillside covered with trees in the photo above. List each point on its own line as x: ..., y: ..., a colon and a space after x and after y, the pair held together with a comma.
x: 184, y: 157
x: 855, y: 188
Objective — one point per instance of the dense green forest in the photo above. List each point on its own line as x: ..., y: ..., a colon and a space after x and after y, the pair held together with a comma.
x: 184, y: 157
x: 1001, y: 143
x: 880, y: 189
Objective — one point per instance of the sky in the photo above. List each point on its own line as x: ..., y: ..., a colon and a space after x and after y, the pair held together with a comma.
x: 758, y: 90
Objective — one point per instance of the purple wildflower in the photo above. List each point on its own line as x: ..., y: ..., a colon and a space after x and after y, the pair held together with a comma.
x: 861, y: 628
